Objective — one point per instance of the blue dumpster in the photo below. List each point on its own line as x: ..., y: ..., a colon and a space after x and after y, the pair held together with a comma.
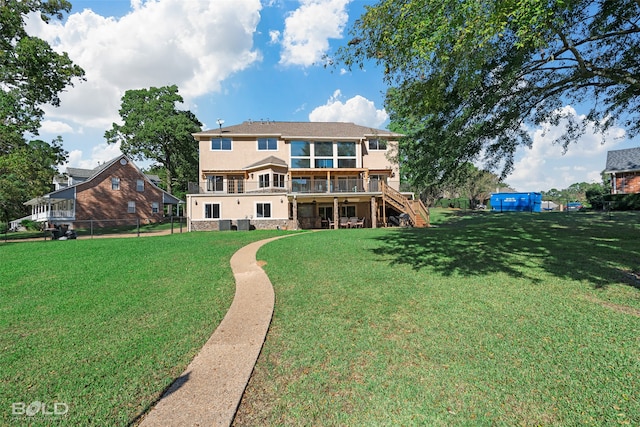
x: 516, y: 202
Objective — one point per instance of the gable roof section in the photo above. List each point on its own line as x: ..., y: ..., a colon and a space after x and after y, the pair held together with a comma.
x: 80, y: 173
x: 626, y: 160
x: 299, y: 130
x: 269, y: 161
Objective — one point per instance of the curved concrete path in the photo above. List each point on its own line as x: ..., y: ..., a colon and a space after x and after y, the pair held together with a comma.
x: 209, y: 390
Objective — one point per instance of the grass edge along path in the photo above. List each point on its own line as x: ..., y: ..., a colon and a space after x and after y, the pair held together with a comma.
x: 488, y: 321
x: 104, y: 326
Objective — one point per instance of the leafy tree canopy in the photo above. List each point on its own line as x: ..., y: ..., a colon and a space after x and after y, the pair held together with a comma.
x: 467, y: 76
x: 27, y: 172
x: 32, y: 74
x: 153, y: 129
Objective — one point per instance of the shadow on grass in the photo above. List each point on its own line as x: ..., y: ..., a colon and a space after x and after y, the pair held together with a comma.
x: 589, y: 247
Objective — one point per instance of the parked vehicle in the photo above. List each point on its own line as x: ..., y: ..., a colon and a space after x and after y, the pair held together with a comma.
x: 574, y: 206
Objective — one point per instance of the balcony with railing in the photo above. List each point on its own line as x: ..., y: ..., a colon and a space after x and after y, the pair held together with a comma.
x: 297, y: 185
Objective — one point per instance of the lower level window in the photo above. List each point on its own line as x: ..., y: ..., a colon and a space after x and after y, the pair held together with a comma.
x: 263, y: 210
x: 155, y: 207
x: 131, y: 207
x: 212, y: 210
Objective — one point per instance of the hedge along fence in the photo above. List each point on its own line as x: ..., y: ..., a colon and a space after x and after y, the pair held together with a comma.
x: 622, y: 202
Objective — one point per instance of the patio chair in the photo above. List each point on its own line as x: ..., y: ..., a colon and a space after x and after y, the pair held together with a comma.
x: 344, y: 222
x: 353, y: 222
x: 360, y: 223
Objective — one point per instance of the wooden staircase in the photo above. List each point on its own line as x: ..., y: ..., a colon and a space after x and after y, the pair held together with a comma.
x: 417, y: 211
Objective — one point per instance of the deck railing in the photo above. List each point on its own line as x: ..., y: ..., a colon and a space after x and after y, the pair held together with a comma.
x: 301, y: 185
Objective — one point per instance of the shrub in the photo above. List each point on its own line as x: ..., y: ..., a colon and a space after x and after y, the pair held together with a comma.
x: 30, y: 225
x: 623, y: 202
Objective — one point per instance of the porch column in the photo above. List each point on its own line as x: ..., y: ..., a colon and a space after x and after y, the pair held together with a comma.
x: 336, y: 214
x: 295, y: 211
x: 374, y: 211
x: 328, y: 181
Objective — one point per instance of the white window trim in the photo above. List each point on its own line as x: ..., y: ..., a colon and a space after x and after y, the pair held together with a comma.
x: 211, y: 178
x: 386, y: 144
x: 267, y: 149
x: 270, y: 210
x: 220, y: 149
x: 335, y: 158
x: 204, y: 210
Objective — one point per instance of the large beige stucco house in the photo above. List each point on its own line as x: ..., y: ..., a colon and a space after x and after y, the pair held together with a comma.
x: 298, y: 175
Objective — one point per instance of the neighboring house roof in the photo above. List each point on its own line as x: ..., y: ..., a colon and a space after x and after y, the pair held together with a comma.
x: 626, y: 160
x: 302, y: 130
x: 269, y: 161
x: 80, y: 173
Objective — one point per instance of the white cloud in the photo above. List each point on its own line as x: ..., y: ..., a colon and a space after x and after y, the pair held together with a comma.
x: 358, y: 110
x: 309, y: 28
x: 274, y: 36
x: 55, y: 127
x: 193, y: 44
x: 99, y: 154
x: 544, y: 166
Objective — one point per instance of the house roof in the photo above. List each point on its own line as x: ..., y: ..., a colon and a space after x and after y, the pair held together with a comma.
x: 80, y: 173
x: 302, y: 130
x: 269, y: 161
x: 623, y: 160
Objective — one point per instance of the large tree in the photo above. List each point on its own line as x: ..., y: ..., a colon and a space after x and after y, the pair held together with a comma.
x: 32, y: 74
x: 154, y: 129
x: 467, y: 76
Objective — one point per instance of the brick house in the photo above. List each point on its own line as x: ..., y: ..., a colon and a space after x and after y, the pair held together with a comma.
x: 115, y: 190
x: 298, y: 175
x: 623, y: 166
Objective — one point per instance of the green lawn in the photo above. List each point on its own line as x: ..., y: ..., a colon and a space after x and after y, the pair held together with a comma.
x: 486, y: 319
x: 495, y: 319
x: 105, y: 325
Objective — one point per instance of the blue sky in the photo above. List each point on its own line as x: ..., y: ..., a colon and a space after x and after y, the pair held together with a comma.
x: 249, y: 59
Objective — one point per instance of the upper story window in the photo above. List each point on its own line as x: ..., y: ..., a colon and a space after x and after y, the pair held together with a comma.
x: 377, y: 144
x: 278, y: 180
x: 346, y: 154
x: 270, y: 144
x: 115, y: 183
x: 263, y: 181
x: 140, y: 185
x: 215, y: 183
x: 221, y: 144
x: 300, y: 154
x: 323, y: 152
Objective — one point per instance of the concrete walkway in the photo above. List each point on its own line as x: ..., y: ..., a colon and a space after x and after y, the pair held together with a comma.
x: 209, y: 391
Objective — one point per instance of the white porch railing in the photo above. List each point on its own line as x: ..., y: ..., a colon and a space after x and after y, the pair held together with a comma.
x: 54, y: 214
